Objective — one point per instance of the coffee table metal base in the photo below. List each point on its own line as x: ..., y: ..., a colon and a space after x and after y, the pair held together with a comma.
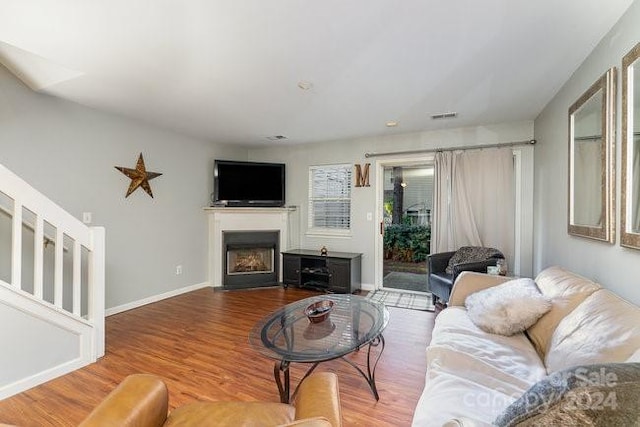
x: 283, y: 379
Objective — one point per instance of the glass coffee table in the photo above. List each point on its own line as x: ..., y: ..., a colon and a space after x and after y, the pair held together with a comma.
x: 288, y: 336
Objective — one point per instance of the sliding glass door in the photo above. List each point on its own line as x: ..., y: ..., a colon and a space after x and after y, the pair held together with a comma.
x: 407, y: 197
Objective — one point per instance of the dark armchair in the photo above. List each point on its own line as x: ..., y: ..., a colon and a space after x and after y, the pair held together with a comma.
x: 444, y: 268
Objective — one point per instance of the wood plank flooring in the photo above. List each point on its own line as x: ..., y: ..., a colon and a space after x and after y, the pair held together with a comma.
x: 198, y: 343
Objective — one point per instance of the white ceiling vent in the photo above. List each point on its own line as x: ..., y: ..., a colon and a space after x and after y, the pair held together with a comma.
x: 276, y: 138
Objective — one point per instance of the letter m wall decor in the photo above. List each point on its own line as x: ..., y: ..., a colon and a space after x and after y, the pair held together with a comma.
x: 362, y: 175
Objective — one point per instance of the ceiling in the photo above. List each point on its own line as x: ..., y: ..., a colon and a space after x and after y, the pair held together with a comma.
x: 228, y: 71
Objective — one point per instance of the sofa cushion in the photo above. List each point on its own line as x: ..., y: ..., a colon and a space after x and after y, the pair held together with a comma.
x: 603, y: 394
x: 448, y: 396
x: 239, y: 414
x: 514, y: 356
x: 603, y: 329
x: 472, y: 373
x: 565, y: 290
x: 508, y: 308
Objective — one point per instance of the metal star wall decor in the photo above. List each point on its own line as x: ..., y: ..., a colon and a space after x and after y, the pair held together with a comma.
x: 139, y: 177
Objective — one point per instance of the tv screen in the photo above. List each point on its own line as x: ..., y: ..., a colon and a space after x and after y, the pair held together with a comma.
x: 248, y: 183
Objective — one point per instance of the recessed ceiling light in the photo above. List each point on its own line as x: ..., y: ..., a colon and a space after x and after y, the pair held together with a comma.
x: 276, y: 137
x: 449, y: 115
x: 392, y: 124
x: 305, y: 85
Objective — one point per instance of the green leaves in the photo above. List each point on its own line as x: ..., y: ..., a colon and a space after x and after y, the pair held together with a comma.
x: 406, y: 243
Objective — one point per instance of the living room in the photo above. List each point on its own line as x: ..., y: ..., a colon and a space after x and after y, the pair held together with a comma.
x: 68, y: 152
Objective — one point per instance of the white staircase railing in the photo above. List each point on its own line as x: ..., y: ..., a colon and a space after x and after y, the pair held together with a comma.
x: 58, y: 278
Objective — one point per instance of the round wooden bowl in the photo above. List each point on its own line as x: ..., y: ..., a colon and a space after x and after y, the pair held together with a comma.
x: 319, y: 311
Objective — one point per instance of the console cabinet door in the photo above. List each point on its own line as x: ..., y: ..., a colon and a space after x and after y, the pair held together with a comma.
x: 340, y: 275
x: 290, y: 269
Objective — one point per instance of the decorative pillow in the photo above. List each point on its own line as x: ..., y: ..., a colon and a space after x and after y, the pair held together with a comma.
x: 508, y: 308
x: 588, y: 395
x: 471, y: 254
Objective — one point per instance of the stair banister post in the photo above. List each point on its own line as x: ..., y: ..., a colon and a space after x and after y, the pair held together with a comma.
x: 58, y: 276
x: 38, y: 258
x: 96, y: 288
x: 16, y: 245
x: 77, y: 278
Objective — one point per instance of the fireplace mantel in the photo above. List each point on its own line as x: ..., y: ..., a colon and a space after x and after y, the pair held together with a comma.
x: 222, y: 219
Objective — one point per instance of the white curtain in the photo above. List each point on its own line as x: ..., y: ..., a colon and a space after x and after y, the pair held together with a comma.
x: 474, y: 201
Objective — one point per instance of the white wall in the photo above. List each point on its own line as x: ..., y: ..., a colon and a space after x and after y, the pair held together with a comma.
x: 299, y: 158
x: 613, y: 266
x: 68, y: 152
x: 147, y: 238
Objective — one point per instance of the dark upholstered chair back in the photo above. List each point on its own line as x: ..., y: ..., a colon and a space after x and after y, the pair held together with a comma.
x: 444, y: 267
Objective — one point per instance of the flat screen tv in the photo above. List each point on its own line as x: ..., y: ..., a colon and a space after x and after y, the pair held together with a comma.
x: 248, y: 184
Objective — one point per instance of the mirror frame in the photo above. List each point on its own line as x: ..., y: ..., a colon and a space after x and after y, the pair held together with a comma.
x: 628, y: 238
x: 606, y: 231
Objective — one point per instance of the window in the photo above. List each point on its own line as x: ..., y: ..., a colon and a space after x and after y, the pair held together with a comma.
x: 330, y: 198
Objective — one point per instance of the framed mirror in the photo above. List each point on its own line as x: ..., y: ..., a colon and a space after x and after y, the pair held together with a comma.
x: 592, y: 160
x: 630, y: 203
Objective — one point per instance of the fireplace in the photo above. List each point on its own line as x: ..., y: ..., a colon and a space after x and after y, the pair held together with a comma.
x: 283, y: 221
x: 250, y: 258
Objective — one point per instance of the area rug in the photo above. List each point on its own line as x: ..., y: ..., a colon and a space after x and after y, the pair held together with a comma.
x: 411, y: 300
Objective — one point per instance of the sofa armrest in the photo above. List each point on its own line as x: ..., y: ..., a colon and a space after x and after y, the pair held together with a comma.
x: 140, y: 400
x: 438, y: 262
x: 469, y: 282
x: 319, y: 396
x: 477, y: 266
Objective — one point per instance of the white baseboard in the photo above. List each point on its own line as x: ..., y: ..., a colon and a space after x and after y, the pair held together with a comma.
x: 25, y: 384
x: 368, y: 287
x: 135, y: 304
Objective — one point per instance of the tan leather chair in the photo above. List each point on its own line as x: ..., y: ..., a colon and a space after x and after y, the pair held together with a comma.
x: 142, y: 400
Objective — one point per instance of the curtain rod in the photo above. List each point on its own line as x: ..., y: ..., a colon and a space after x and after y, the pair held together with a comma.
x: 463, y: 147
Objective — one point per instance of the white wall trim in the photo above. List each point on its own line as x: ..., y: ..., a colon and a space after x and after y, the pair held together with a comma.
x: 41, y: 377
x: 368, y: 287
x: 517, y: 244
x: 43, y: 311
x: 155, y: 298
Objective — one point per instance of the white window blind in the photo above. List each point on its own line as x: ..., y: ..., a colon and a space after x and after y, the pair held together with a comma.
x: 330, y: 197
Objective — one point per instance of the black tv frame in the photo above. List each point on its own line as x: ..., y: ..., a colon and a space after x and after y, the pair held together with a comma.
x: 217, y: 201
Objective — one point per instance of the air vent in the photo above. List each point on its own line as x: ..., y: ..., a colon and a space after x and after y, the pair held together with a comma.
x: 276, y: 137
x: 450, y: 115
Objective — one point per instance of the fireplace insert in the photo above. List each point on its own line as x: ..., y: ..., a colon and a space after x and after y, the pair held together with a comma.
x: 250, y: 259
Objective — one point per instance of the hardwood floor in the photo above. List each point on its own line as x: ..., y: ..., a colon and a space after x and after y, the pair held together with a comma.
x: 198, y: 343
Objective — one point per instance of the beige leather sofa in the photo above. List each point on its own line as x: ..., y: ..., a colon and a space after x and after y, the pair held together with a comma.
x: 142, y: 401
x: 473, y: 376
